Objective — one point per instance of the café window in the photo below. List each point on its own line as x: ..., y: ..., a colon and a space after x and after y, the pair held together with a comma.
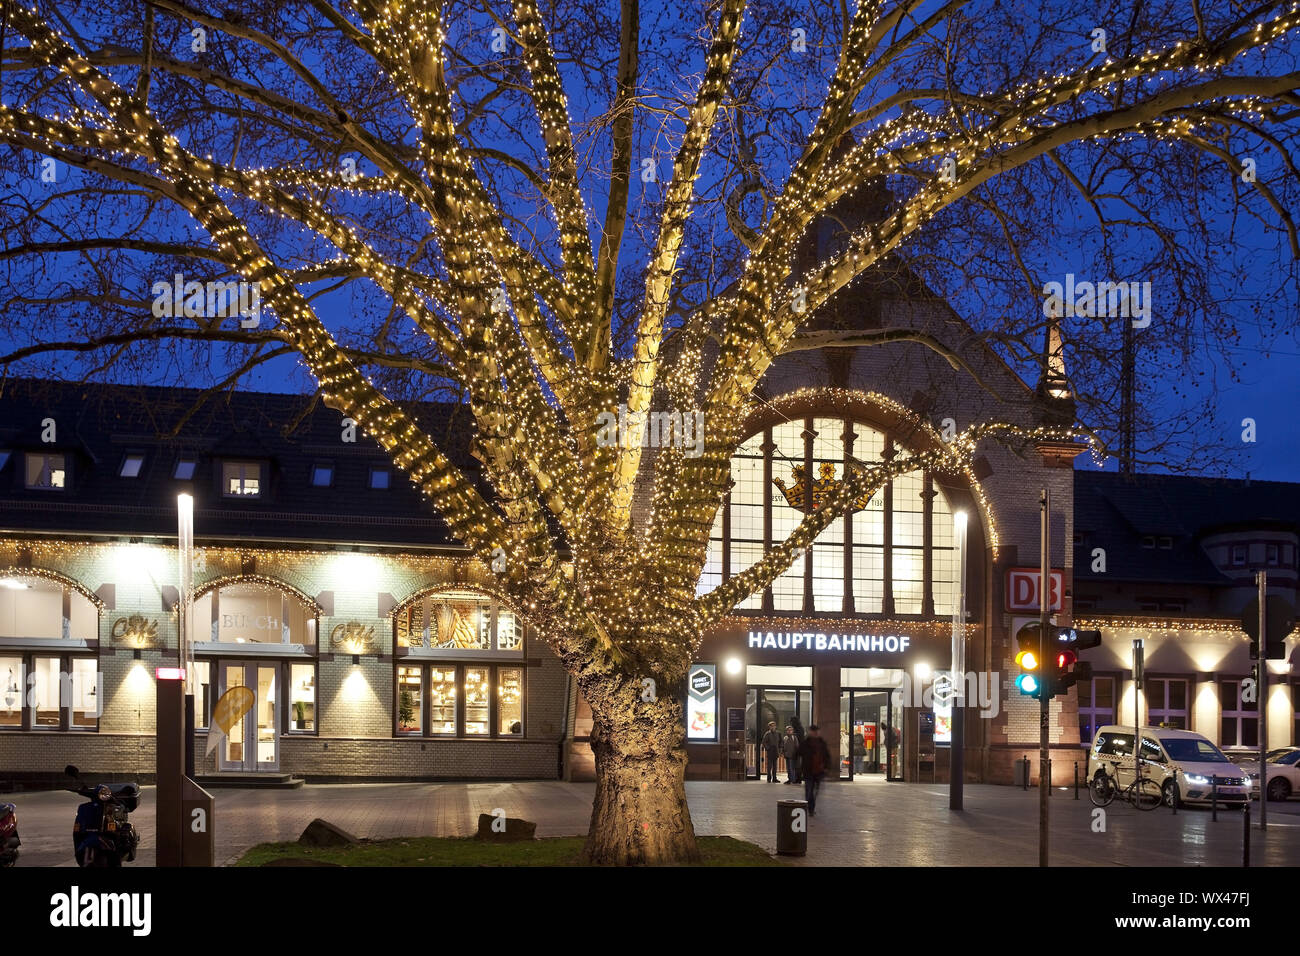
x: 254, y: 612
x: 46, y: 472
x: 302, y: 697
x: 892, y: 554
x: 440, y: 699
x: 49, y: 692
x: 458, y: 620
x: 41, y: 608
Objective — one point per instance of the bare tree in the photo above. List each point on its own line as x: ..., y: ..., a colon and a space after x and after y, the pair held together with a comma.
x: 519, y: 206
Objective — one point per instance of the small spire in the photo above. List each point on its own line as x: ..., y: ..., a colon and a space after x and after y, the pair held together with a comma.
x: 1053, y: 382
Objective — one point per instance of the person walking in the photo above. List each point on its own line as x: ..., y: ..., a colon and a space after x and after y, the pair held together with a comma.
x: 799, y: 736
x: 814, y: 757
x: 790, y: 747
x: 771, y: 746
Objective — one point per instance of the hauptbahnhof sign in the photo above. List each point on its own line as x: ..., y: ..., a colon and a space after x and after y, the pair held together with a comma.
x: 819, y: 641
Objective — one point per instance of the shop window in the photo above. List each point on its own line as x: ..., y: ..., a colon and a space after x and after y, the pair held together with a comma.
x: 458, y: 620
x: 202, y: 693
x: 773, y: 487
x: 1238, y: 718
x: 49, y: 692
x: 410, y: 700
x: 478, y: 701
x: 45, y: 472
x: 34, y: 607
x: 248, y: 612
x: 302, y: 698
x: 241, y: 479
x: 458, y: 700
x: 510, y: 701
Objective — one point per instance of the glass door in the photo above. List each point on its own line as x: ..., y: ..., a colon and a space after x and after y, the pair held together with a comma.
x: 772, y: 705
x: 867, y: 738
x: 253, y: 743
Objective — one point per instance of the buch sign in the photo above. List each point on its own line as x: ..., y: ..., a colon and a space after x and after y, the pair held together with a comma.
x: 1023, y: 590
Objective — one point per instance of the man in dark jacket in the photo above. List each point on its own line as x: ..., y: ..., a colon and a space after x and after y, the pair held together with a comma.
x: 771, y: 745
x: 814, y: 758
x: 799, y: 736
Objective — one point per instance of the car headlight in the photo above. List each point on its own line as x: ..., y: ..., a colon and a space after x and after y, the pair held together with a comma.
x: 1197, y: 779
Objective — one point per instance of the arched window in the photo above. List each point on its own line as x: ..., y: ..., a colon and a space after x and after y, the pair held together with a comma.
x: 49, y: 677
x: 446, y: 681
x: 893, y: 554
x: 253, y: 612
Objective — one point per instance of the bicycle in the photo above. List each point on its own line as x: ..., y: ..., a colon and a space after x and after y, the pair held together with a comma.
x: 1143, y: 792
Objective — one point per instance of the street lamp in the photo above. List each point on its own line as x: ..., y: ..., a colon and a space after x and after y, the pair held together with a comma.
x: 185, y: 609
x: 957, y: 745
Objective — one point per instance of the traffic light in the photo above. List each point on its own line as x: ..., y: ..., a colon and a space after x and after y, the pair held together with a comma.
x: 1030, y: 680
x: 1067, y: 669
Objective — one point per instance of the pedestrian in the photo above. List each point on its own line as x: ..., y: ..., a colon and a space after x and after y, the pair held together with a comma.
x: 790, y: 747
x: 814, y: 757
x: 771, y: 745
x: 799, y: 736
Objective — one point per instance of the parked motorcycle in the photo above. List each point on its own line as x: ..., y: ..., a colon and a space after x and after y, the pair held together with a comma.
x: 102, y: 835
x: 9, y: 841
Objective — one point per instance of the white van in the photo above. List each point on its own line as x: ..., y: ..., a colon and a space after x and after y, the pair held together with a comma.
x: 1183, y: 764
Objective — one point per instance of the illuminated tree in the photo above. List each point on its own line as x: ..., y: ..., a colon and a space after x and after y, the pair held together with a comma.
x: 424, y: 156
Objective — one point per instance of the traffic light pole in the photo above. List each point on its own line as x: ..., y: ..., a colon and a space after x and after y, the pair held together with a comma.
x: 1262, y: 698
x: 1044, y: 698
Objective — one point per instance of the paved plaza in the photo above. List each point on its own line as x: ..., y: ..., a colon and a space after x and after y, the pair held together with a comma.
x: 864, y: 823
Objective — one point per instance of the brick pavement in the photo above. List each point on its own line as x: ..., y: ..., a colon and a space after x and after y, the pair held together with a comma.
x: 865, y: 823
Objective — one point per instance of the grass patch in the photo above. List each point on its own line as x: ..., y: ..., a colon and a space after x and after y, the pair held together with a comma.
x: 449, y: 851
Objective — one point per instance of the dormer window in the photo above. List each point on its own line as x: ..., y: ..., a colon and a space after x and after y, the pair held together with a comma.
x: 379, y: 478
x: 1148, y: 541
x: 184, y: 470
x: 241, y: 479
x: 1237, y: 555
x: 1166, y: 542
x: 5, y: 454
x: 131, y: 466
x: 45, y: 472
x: 322, y: 475
x: 1272, y: 554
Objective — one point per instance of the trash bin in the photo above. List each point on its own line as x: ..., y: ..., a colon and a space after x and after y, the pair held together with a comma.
x: 792, y: 827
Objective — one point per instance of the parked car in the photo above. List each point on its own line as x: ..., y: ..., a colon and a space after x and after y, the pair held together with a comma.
x: 1283, y: 767
x: 1184, y: 764
x: 1250, y: 755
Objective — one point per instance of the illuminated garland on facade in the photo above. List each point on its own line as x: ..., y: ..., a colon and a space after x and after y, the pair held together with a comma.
x: 46, y: 574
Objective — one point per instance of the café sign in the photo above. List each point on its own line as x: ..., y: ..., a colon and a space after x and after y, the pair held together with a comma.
x: 821, y: 641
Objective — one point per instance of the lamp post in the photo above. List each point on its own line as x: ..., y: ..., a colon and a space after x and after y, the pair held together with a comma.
x: 185, y: 608
x: 957, y: 761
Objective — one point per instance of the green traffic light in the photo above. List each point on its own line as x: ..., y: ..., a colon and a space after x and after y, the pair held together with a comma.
x: 1027, y: 684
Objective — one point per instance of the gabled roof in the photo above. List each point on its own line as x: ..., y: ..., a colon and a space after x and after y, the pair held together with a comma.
x: 96, y: 426
x: 1116, y: 512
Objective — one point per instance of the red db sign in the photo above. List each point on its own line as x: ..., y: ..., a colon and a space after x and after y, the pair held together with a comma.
x: 1023, y: 590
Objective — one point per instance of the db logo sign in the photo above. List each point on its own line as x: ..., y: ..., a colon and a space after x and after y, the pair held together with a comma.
x: 1023, y: 592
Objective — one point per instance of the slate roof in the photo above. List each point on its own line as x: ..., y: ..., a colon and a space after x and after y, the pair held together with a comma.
x: 97, y: 425
x: 1115, y: 512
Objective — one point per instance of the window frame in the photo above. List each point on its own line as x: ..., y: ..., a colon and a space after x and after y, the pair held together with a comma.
x: 48, y: 469
x: 327, y: 466
x: 1164, y: 709
x: 286, y: 681
x: 489, y: 604
x: 1238, y: 549
x: 868, y: 566
x: 1091, y: 709
x: 127, y: 458
x: 243, y: 479
x: 1238, y: 713
x: 27, y: 722
x: 494, y: 669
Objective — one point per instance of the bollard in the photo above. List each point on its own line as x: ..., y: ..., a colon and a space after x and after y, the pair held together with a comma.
x: 1245, y: 835
x: 1076, y: 780
x: 1049, y: 776
x: 1214, y: 797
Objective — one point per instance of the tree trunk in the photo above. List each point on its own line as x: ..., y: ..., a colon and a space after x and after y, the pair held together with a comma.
x: 640, y: 813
